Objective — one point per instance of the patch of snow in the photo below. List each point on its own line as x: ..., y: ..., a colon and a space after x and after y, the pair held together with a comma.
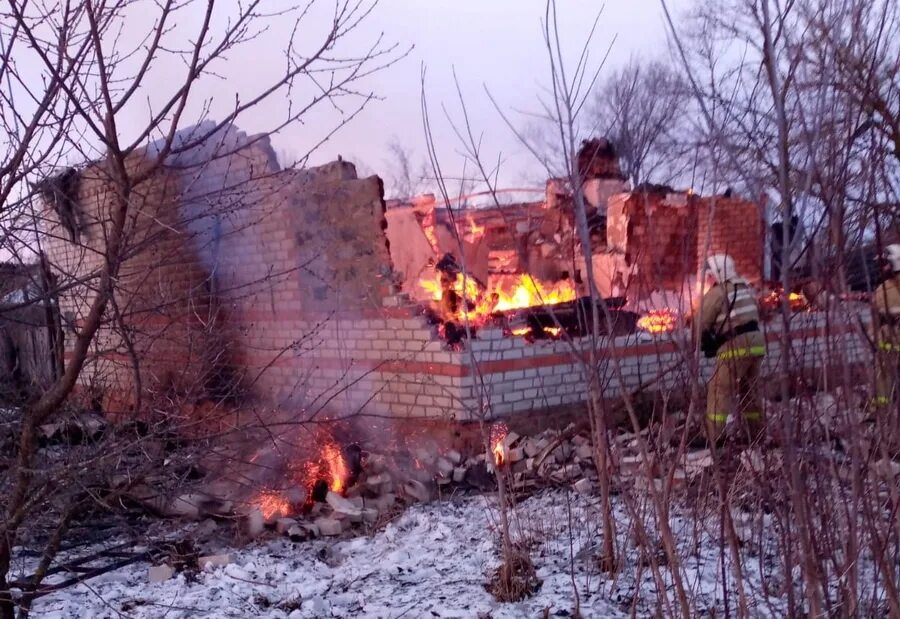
x: 434, y: 561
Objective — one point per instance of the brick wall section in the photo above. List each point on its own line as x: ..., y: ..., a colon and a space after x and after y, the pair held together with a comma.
x: 233, y: 268
x: 734, y: 227
x: 162, y: 285
x: 398, y: 367
x: 656, y: 235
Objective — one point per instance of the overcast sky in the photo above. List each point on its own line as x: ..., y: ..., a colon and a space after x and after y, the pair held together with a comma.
x: 497, y: 43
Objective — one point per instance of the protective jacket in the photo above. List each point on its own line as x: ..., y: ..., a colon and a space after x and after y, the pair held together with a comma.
x: 887, y: 305
x: 730, y: 321
x: 887, y: 360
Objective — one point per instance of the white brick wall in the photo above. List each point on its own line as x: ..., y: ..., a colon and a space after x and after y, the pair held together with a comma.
x: 415, y: 383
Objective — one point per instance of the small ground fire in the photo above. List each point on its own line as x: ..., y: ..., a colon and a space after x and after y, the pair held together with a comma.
x: 272, y: 505
x: 328, y: 471
x: 498, y: 433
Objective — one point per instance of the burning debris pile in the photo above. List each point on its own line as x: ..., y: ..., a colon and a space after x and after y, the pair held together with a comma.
x: 520, y: 304
x: 771, y: 303
x: 355, y: 491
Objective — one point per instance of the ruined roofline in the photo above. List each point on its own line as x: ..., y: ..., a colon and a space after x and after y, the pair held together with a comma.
x: 191, y: 139
x: 485, y: 197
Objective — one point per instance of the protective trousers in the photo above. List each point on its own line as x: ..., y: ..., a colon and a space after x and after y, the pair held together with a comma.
x: 887, y: 368
x: 735, y: 388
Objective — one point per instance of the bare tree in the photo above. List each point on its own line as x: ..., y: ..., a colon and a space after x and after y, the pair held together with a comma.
x: 643, y: 108
x: 763, y: 75
x: 72, y: 85
x: 407, y: 177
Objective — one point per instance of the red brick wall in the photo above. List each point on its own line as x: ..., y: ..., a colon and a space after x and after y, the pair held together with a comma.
x: 161, y: 293
x: 656, y: 234
x: 734, y: 227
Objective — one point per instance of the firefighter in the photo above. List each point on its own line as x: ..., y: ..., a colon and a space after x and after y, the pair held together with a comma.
x: 887, y: 308
x: 729, y: 328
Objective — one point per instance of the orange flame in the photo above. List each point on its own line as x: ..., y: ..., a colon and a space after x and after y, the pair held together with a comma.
x: 330, y: 466
x: 272, y: 505
x: 509, y: 293
x: 657, y: 321
x: 518, y: 291
x: 498, y: 454
x: 551, y: 331
x: 337, y: 468
x: 773, y: 300
x: 498, y: 433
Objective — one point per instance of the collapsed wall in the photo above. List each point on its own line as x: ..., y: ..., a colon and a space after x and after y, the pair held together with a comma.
x: 652, y: 239
x: 229, y: 267
x: 161, y: 314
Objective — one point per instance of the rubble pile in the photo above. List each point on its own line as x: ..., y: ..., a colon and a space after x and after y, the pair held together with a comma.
x: 386, y: 484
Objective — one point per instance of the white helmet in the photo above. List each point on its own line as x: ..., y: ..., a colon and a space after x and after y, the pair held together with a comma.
x: 722, y: 267
x: 893, y: 255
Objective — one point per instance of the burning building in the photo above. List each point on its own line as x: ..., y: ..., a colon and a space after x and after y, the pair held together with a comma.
x: 306, y: 290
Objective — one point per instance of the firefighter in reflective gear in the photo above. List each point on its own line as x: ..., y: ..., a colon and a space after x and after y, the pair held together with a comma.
x: 729, y: 327
x: 886, y: 300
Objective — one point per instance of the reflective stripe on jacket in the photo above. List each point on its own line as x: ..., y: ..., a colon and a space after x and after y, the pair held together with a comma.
x: 745, y: 345
x: 739, y: 307
x: 726, y: 307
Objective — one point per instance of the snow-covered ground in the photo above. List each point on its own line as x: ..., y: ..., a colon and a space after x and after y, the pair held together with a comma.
x: 433, y: 561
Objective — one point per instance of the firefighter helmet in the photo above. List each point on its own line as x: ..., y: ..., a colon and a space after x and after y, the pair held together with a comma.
x: 722, y: 267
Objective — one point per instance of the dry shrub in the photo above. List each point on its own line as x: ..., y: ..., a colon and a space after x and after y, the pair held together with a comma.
x: 515, y: 579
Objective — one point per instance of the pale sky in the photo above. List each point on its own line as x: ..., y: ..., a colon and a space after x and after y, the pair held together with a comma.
x: 497, y: 43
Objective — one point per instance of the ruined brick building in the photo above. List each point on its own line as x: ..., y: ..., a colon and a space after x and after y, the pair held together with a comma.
x: 304, y: 289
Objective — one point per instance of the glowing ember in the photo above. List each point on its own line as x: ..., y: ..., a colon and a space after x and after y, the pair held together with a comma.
x: 272, y: 505
x: 498, y: 433
x: 773, y: 300
x: 547, y: 331
x: 657, y: 321
x: 508, y: 293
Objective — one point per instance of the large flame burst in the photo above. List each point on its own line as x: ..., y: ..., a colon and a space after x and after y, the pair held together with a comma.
x: 657, y: 321
x: 507, y: 293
